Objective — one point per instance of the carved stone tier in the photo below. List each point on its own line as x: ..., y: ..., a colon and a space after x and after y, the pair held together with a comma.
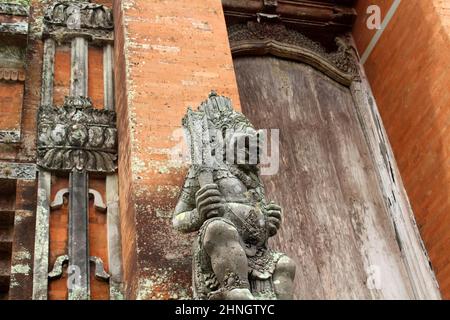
x: 11, y: 170
x: 13, y: 9
x: 9, y: 136
x: 67, y: 19
x: 261, y: 38
x: 12, y: 74
x: 76, y: 135
x: 12, y: 69
x: 14, y: 29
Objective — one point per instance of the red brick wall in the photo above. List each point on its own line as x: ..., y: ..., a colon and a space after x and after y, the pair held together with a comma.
x: 169, y: 55
x: 25, y: 151
x: 410, y: 77
x: 95, y: 76
x: 59, y: 220
x: 61, y: 84
x: 11, y: 97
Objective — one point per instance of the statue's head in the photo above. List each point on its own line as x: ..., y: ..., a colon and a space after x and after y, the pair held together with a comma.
x: 231, y: 132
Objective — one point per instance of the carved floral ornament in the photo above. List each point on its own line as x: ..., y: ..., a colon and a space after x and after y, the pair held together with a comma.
x: 76, y: 135
x: 66, y: 18
x: 262, y: 38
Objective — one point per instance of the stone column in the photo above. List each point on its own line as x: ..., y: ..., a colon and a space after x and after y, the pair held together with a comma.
x: 41, y: 250
x: 108, y: 76
x: 79, y: 67
x: 79, y: 183
x: 112, y: 190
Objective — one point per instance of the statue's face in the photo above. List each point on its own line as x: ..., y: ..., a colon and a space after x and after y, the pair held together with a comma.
x: 243, y: 147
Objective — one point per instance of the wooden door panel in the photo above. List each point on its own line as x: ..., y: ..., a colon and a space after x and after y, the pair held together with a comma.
x: 335, y: 227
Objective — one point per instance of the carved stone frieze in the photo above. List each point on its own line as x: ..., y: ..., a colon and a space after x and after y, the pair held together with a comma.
x: 9, y: 136
x: 266, y: 37
x: 14, y: 9
x: 18, y: 29
x: 10, y: 74
x: 12, y: 63
x: 65, y: 19
x: 10, y: 170
x: 76, y: 135
x: 12, y: 56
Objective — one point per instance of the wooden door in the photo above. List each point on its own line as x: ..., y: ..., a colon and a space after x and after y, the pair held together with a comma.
x: 336, y: 226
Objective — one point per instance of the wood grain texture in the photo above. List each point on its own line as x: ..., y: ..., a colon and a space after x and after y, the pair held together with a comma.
x: 336, y: 226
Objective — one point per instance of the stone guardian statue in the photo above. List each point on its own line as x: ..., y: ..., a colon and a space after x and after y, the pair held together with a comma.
x: 223, y: 199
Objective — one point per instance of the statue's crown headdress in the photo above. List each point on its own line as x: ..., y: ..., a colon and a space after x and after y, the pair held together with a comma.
x: 219, y: 112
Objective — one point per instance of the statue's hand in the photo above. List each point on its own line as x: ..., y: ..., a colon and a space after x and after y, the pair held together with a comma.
x: 274, y: 213
x: 209, y: 201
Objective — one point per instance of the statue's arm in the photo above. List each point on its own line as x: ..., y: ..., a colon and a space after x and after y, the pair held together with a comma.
x: 186, y: 217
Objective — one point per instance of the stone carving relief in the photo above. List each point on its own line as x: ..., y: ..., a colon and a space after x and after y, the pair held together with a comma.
x: 12, y: 69
x: 9, y: 136
x: 9, y: 170
x: 67, y: 18
x: 225, y: 203
x: 10, y: 74
x: 270, y: 37
x: 14, y: 9
x: 76, y: 135
x: 12, y: 63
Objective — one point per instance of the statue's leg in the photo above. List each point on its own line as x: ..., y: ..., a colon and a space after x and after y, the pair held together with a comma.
x: 283, y: 278
x: 221, y: 242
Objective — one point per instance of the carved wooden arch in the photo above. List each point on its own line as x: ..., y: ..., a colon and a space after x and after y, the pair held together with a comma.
x: 254, y: 38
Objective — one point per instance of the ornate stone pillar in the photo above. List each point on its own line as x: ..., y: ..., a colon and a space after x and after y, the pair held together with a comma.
x: 77, y: 140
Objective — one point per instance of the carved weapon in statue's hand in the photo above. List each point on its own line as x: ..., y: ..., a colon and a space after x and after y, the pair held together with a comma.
x: 202, y: 159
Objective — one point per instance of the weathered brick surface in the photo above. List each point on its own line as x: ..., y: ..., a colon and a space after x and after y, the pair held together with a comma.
x: 26, y: 150
x: 95, y: 76
x: 21, y: 285
x: 59, y: 220
x: 11, y: 96
x: 19, y: 103
x: 169, y: 54
x: 98, y: 244
x: 61, y: 84
x: 443, y: 9
x: 410, y: 76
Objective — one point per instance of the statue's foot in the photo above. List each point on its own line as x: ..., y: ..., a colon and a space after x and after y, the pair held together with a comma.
x: 238, y: 294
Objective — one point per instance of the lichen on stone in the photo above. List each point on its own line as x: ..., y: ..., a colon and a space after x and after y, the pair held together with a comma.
x: 21, y: 268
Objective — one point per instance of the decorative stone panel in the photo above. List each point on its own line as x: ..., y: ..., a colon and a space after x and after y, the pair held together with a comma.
x: 76, y: 135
